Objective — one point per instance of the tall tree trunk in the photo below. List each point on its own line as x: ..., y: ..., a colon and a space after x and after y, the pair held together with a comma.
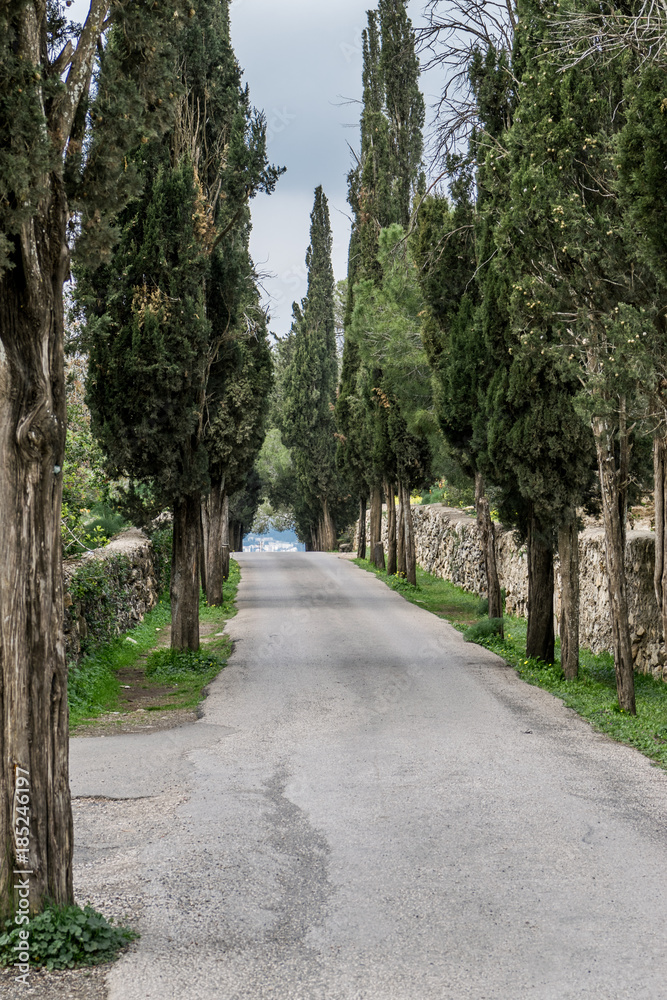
x: 614, y: 534
x: 185, y: 575
x: 34, y: 733
x: 487, y: 538
x: 400, y: 534
x: 376, y: 518
x: 391, y: 529
x: 540, y: 639
x: 328, y: 538
x: 214, y: 561
x: 205, y: 530
x: 201, y: 555
x: 623, y: 468
x: 409, y: 536
x: 660, y: 479
x: 361, y: 544
x: 568, y: 553
x: 226, y: 544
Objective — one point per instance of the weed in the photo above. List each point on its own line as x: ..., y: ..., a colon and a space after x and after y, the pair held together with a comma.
x: 168, y: 665
x: 65, y: 937
x: 483, y: 629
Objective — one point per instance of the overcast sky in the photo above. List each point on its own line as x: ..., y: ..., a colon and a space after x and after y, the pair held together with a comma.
x: 302, y: 60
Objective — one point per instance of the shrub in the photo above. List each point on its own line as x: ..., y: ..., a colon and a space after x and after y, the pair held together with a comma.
x: 162, y: 540
x: 483, y: 630
x: 99, y: 586
x: 169, y: 664
x: 482, y: 607
x: 64, y: 937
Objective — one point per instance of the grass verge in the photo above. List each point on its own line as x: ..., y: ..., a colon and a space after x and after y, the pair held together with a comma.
x: 94, y: 688
x: 592, y: 695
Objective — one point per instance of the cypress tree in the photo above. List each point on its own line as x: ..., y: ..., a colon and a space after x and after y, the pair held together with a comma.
x: 240, y: 387
x: 381, y: 189
x: 404, y: 108
x: 572, y: 282
x: 308, y: 424
x: 160, y: 310
x: 444, y: 247
x: 641, y: 163
x: 51, y: 174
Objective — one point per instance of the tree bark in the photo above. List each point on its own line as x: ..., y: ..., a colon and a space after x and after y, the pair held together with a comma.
x: 361, y: 544
x: 540, y: 639
x: 185, y: 575
x: 400, y: 535
x: 214, y: 560
x: 409, y: 538
x: 391, y: 529
x: 487, y: 537
x: 34, y: 732
x: 660, y: 480
x: 205, y: 532
x: 378, y: 556
x: 226, y: 543
x: 328, y: 530
x: 614, y: 533
x: 568, y: 553
x: 376, y: 518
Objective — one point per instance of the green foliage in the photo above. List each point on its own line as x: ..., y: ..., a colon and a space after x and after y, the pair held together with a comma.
x: 164, y: 312
x: 278, y: 485
x: 240, y: 386
x: 66, y: 937
x: 134, y: 80
x: 484, y: 629
x: 89, y: 517
x: 309, y: 384
x: 642, y: 151
x: 99, y: 587
x: 450, y: 494
x: 148, y: 348
x: 162, y: 542
x: 170, y: 665
x: 92, y: 686
x: 376, y: 441
x: 403, y: 105
x: 483, y: 607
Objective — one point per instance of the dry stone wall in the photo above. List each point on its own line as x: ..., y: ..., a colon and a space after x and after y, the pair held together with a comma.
x: 447, y: 545
x: 130, y: 561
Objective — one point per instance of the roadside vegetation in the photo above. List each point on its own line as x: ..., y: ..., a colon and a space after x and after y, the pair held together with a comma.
x: 65, y: 937
x: 592, y: 694
x: 167, y: 679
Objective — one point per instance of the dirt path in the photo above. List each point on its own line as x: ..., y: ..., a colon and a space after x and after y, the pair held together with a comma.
x: 142, y: 700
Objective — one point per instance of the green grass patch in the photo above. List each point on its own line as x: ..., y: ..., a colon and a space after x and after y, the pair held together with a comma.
x: 592, y: 695
x: 65, y: 937
x: 188, y: 672
x: 94, y: 688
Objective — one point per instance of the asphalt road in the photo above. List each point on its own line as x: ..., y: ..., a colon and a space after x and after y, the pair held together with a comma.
x: 372, y: 808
